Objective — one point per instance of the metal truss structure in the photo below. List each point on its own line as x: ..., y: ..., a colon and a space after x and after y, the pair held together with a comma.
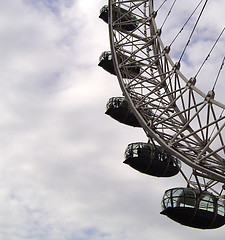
x: 187, y: 122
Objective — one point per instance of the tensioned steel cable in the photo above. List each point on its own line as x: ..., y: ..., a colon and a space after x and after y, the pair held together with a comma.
x: 192, y: 32
x: 169, y: 12
x: 186, y: 22
x: 217, y: 40
x: 161, y: 5
x: 216, y: 80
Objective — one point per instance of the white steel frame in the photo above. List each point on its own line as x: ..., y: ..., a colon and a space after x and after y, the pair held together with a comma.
x: 185, y: 121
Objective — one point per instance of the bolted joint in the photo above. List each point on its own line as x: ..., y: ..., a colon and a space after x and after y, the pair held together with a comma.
x: 176, y: 66
x: 210, y: 95
x: 158, y: 32
x: 153, y: 14
x: 191, y: 82
x: 166, y: 49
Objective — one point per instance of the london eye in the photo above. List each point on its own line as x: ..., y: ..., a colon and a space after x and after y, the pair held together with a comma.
x: 184, y: 125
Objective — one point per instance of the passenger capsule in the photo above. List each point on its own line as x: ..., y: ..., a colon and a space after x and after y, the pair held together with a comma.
x: 118, y: 108
x: 151, y: 160
x: 191, y: 208
x: 129, y: 69
x: 126, y: 20
x: 106, y: 62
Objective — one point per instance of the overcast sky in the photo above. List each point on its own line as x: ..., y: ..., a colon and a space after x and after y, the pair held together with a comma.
x: 61, y: 170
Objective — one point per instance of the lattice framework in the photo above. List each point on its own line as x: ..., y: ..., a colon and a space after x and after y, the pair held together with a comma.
x: 187, y: 122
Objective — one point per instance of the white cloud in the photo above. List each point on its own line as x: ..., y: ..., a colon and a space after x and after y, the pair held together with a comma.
x: 61, y: 173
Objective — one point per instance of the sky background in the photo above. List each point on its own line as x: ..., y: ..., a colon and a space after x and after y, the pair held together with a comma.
x: 61, y: 170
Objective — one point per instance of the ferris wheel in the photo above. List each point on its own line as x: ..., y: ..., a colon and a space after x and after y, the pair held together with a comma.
x: 183, y: 124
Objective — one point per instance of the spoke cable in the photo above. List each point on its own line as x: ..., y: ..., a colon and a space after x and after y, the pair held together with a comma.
x: 186, y: 22
x: 221, y: 67
x: 161, y: 5
x: 169, y: 12
x: 217, y: 40
x: 189, y: 39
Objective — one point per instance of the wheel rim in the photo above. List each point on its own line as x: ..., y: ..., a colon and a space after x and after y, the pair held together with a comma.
x: 188, y: 123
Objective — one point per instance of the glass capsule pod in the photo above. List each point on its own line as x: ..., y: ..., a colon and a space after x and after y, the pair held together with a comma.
x: 151, y: 160
x: 126, y: 20
x: 190, y: 208
x: 129, y: 70
x: 118, y: 109
x: 106, y: 62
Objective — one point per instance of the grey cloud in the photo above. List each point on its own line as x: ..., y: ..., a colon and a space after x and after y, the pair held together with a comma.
x: 61, y: 174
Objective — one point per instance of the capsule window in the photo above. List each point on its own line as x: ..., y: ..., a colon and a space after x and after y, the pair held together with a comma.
x: 166, y: 202
x: 114, y: 102
x: 207, y: 203
x: 160, y: 156
x: 164, y: 157
x: 190, y: 198
x: 178, y: 197
x: 128, y: 152
x: 105, y: 56
x: 135, y: 153
x: 137, y: 149
x: 109, y: 104
x: 109, y: 57
x: 184, y: 198
x: 221, y: 207
x: 104, y: 9
x: 102, y: 57
x: 176, y: 161
x: 117, y: 102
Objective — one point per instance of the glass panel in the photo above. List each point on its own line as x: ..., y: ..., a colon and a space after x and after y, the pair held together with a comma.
x: 128, y: 151
x: 176, y: 161
x: 164, y: 157
x: 138, y: 149
x: 159, y: 156
x: 190, y: 198
x: 166, y: 202
x: 167, y: 194
x: 221, y: 210
x: 178, y: 197
x: 163, y: 205
x: 135, y: 152
x: 117, y: 102
x: 101, y: 57
x: 104, y: 8
x: 114, y: 102
x: 108, y: 105
x: 178, y: 201
x: 177, y: 192
x: 184, y: 198
x: 109, y: 56
x: 105, y: 56
x: 207, y: 203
